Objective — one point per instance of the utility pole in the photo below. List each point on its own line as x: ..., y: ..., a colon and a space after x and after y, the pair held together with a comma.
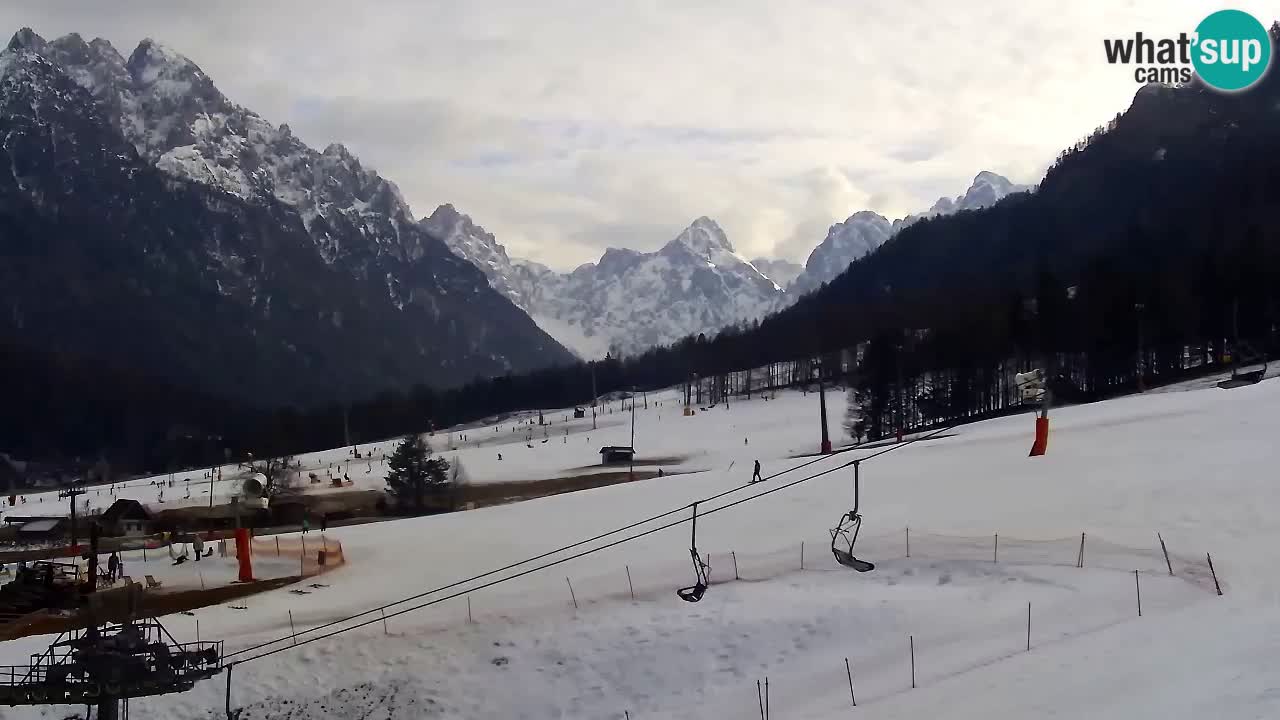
x: 1142, y: 357
x: 212, y: 471
x: 901, y: 410
x: 593, y: 394
x: 822, y: 410
x: 632, y: 471
x: 76, y: 489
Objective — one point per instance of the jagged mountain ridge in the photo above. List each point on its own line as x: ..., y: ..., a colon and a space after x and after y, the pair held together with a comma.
x: 357, y: 259
x: 696, y: 283
x: 629, y: 300
x: 864, y: 231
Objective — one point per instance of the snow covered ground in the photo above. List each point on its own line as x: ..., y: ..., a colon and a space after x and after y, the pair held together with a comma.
x: 1196, y: 466
x: 562, y: 447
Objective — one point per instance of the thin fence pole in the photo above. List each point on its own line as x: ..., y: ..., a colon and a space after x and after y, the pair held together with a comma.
x: 469, y: 618
x: 630, y: 586
x: 571, y: 594
x: 1028, y: 627
x: 912, y: 638
x: 801, y: 554
x: 197, y: 630
x: 1138, y: 589
x: 760, y: 698
x: 293, y: 631
x: 385, y: 631
x: 849, y: 673
x: 144, y: 553
x: 995, y: 550
x: 1165, y: 550
x: 229, y: 692
x: 1214, y: 574
x: 908, y: 541
x: 1080, y: 557
x: 277, y: 546
x: 766, y: 697
x: 734, y: 555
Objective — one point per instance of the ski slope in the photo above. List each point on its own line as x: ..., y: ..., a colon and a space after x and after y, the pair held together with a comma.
x: 1196, y: 466
x: 512, y: 450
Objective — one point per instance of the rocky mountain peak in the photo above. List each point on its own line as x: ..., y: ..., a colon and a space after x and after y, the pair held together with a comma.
x: 27, y: 39
x: 703, y: 237
x: 339, y: 151
x: 864, y: 231
x: 457, y: 230
x: 987, y: 189
x: 74, y: 47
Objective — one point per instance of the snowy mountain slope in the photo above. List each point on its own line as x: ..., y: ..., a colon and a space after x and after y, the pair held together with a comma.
x: 175, y: 118
x: 629, y: 300
x: 781, y: 271
x: 1118, y: 470
x: 865, y: 231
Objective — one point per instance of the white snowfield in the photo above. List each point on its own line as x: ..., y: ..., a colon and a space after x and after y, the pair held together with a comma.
x: 571, y: 447
x: 1197, y: 466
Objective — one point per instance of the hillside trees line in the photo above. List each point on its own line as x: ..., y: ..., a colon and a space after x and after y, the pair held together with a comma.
x: 1161, y: 229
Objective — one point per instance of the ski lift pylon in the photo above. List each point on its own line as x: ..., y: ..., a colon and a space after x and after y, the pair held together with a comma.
x: 845, y: 534
x: 694, y: 592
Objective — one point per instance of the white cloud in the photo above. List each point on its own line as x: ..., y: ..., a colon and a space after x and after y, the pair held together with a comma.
x: 567, y: 125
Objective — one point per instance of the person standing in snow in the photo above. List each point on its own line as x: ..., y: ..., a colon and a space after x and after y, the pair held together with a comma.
x: 113, y: 566
x: 197, y: 544
x: 306, y: 524
x: 755, y: 474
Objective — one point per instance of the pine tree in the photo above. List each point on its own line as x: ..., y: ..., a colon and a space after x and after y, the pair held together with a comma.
x: 855, y: 423
x: 414, y: 475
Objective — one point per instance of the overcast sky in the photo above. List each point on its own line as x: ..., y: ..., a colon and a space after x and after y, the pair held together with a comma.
x: 566, y: 126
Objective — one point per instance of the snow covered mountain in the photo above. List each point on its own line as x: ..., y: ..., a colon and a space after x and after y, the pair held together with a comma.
x: 629, y: 300
x: 269, y: 226
x: 865, y: 231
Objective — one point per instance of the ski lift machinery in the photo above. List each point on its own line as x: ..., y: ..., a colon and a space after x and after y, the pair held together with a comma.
x: 845, y: 534
x: 694, y: 592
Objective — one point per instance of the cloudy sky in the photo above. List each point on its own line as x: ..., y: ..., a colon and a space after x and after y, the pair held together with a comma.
x: 566, y: 126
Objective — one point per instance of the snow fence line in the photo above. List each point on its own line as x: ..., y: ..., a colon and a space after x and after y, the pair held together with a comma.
x: 660, y: 580
x: 315, y: 555
x: 640, y: 580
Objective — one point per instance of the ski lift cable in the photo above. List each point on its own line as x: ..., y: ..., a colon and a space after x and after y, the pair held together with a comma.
x: 526, y: 561
x: 537, y: 568
x: 563, y: 560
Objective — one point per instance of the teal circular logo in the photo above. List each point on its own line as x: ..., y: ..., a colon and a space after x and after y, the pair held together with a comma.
x: 1232, y: 50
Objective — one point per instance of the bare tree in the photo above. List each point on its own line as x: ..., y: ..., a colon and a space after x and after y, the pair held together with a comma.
x: 281, y: 474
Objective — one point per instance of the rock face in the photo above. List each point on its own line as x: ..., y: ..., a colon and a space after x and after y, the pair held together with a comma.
x: 629, y: 300
x: 183, y: 234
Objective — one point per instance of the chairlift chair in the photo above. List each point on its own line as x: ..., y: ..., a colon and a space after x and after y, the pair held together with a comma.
x: 845, y: 534
x: 694, y: 592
